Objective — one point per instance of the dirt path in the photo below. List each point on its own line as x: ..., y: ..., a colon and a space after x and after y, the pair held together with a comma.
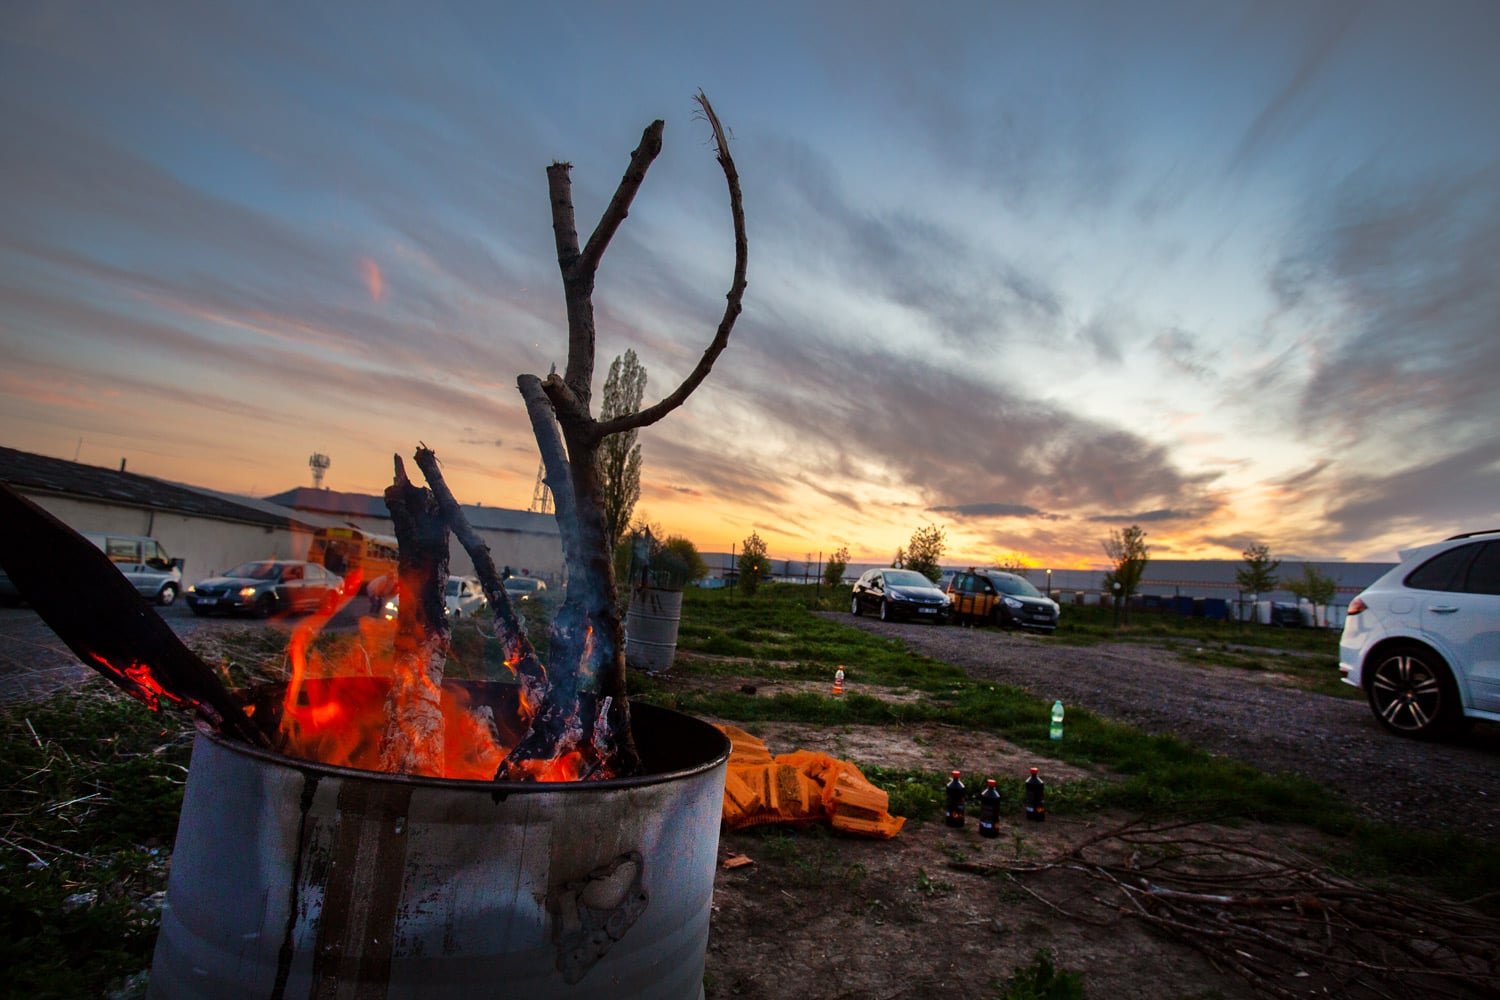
x: 1243, y: 714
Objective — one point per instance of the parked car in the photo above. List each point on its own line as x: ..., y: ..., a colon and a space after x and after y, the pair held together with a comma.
x: 525, y: 588
x: 1005, y: 599
x: 266, y: 586
x: 1423, y: 641
x: 463, y: 597
x: 899, y: 593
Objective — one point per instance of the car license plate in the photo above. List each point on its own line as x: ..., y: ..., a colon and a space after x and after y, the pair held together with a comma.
x: 927, y: 611
x: 208, y: 600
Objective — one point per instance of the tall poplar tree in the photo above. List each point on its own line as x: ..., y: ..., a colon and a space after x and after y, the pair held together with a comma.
x: 620, y: 454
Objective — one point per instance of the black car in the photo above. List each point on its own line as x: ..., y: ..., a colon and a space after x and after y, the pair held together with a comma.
x: 1005, y: 599
x: 265, y: 587
x: 899, y: 593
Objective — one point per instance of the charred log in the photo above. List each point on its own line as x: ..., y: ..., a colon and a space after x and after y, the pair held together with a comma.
x: 413, y: 741
x: 520, y: 655
x: 82, y: 597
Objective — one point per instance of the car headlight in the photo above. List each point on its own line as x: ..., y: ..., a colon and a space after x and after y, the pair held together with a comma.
x: 248, y: 591
x: 1011, y: 602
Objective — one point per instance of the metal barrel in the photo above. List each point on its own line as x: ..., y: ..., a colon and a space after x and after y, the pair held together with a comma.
x: 651, y: 629
x: 299, y: 880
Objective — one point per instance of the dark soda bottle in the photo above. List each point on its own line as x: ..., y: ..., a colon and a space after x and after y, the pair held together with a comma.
x: 954, y: 813
x: 989, y: 810
x: 1036, y: 802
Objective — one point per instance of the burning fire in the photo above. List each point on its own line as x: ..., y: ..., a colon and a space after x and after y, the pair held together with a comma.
x: 336, y: 710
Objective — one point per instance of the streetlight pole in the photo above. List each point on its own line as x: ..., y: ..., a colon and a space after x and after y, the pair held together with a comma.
x: 1117, y: 604
x: 1049, y: 583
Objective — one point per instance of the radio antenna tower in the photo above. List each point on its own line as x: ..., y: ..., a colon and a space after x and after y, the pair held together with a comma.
x: 541, y: 496
x: 318, y: 463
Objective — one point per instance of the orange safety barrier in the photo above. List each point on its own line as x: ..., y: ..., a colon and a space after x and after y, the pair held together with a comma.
x: 801, y: 787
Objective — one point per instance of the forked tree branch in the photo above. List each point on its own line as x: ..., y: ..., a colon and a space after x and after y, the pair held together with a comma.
x: 578, y: 268
x: 732, y: 308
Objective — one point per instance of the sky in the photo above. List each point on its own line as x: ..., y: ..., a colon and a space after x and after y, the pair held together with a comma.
x: 1030, y: 273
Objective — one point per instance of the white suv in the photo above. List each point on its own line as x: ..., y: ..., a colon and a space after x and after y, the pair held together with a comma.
x: 1423, y: 641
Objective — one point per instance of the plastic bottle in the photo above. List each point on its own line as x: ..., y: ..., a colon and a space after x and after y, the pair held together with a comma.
x: 989, y: 810
x: 1057, y: 717
x: 1036, y: 798
x: 838, y: 681
x: 954, y: 812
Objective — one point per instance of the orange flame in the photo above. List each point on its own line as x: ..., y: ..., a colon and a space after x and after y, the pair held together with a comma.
x: 335, y: 712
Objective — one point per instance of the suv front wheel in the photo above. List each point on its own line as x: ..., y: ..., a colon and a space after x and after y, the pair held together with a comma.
x: 1412, y: 693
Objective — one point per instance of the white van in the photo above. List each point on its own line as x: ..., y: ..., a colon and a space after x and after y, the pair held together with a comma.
x: 153, y: 573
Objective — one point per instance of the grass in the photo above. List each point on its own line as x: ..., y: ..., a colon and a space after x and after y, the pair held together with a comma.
x: 780, y: 636
x: 92, y: 790
x: 93, y: 782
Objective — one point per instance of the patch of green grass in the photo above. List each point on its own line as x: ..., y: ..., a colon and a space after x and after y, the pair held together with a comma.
x: 93, y: 786
x: 1041, y: 980
x: 917, y: 795
x: 810, y: 858
x: 777, y: 626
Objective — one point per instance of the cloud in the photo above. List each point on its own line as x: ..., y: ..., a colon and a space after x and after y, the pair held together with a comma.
x: 1183, y: 354
x: 1147, y: 516
x: 1322, y: 30
x: 1458, y: 489
x: 993, y: 510
x: 1401, y: 276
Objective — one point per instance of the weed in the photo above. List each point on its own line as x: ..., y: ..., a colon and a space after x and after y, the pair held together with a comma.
x: 1041, y: 980
x: 927, y: 887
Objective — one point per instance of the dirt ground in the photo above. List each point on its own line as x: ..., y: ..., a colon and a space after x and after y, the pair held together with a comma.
x: 939, y: 911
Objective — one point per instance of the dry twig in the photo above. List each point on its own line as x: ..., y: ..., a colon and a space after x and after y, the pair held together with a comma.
x: 1282, y: 924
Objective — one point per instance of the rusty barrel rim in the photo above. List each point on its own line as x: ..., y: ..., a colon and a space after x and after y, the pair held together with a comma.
x: 645, y: 718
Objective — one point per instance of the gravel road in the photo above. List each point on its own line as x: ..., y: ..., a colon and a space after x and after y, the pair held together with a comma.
x: 1242, y: 714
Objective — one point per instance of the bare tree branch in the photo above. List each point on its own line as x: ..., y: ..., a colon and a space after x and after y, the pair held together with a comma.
x: 577, y: 268
x: 732, y: 308
x: 619, y: 206
x: 559, y: 478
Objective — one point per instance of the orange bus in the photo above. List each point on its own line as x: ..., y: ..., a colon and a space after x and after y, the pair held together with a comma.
x: 349, y: 550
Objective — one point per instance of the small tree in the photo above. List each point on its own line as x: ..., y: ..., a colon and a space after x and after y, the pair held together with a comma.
x: 753, y: 562
x: 1129, y: 553
x: 925, y: 550
x: 693, y: 566
x: 1258, y: 576
x: 619, y: 454
x: 833, y: 572
x: 1315, y: 587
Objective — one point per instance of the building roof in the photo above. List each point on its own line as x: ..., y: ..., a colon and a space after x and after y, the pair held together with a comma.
x: 332, y: 503
x: 59, y: 477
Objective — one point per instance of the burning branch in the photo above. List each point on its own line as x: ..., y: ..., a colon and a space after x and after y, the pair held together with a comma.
x: 82, y: 597
x: 520, y: 656
x: 413, y: 741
